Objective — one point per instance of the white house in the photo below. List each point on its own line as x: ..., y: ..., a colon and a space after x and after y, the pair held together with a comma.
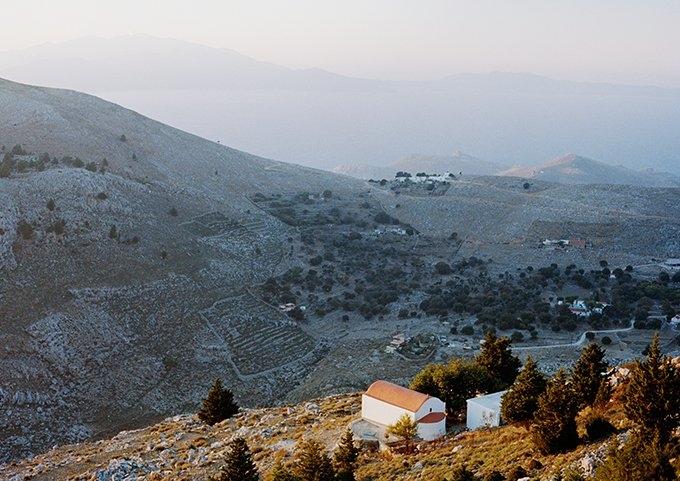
x: 484, y: 411
x: 384, y: 403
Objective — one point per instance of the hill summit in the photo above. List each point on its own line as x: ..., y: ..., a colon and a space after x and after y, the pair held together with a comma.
x: 575, y: 169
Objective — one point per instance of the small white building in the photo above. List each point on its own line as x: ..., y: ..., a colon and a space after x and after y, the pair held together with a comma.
x: 484, y: 411
x: 384, y: 403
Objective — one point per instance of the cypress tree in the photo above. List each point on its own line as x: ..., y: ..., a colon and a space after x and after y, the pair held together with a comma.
x: 554, y: 426
x: 521, y: 401
x: 238, y: 463
x: 498, y: 359
x: 312, y: 463
x: 218, y: 405
x: 587, y: 376
x: 652, y: 398
x: 345, y: 457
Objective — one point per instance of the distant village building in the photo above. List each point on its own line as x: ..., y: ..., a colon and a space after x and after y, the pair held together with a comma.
x: 484, y: 411
x: 675, y: 322
x: 384, y: 403
x: 397, y: 341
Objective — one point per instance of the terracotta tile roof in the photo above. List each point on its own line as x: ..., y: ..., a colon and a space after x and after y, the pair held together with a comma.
x: 432, y: 418
x: 397, y: 395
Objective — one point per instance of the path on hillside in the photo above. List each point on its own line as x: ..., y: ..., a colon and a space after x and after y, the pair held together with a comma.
x: 579, y: 342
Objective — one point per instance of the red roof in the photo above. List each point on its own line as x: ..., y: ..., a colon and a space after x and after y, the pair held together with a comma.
x: 432, y: 418
x: 397, y: 395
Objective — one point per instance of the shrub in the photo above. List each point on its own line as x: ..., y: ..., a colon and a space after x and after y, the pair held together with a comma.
x: 467, y: 330
x: 596, y: 426
x: 462, y: 473
x: 218, y: 405
x: 173, y: 212
x: 91, y: 166
x: 25, y: 230
x: 101, y: 196
x: 122, y: 138
x: 606, y: 340
x: 442, y: 268
x: 516, y: 473
x: 51, y: 205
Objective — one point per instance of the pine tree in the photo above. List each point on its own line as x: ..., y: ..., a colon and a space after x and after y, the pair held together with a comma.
x: 238, y: 463
x: 312, y: 463
x: 652, y: 398
x: 554, y: 426
x: 587, y: 376
x: 638, y: 459
x: 218, y: 405
x: 405, y: 428
x: 281, y: 473
x: 498, y: 359
x: 345, y: 457
x: 521, y: 401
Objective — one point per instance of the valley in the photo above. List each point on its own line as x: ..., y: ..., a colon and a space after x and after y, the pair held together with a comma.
x: 139, y: 262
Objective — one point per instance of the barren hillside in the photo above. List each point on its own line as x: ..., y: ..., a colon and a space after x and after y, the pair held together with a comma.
x: 139, y: 262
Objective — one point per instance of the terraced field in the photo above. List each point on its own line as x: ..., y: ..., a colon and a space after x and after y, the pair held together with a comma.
x: 259, y: 338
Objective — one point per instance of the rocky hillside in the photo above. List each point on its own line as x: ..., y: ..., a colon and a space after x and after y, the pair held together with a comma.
x: 123, y: 243
x: 134, y: 262
x: 183, y: 448
x: 574, y: 169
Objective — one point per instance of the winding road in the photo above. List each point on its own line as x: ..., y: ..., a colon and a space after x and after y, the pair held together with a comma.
x: 579, y: 342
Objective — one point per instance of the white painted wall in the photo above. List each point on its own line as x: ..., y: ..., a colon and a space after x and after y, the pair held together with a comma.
x: 431, y: 431
x: 432, y: 405
x: 380, y: 412
x: 479, y: 416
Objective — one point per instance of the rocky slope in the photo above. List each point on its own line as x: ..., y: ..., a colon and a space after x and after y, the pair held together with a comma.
x: 120, y: 306
x: 127, y: 286
x: 574, y: 169
x: 182, y: 448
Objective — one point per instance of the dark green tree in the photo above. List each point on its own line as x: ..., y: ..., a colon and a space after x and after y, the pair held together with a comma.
x: 554, y: 426
x: 312, y: 463
x: 587, y: 374
x: 218, y: 405
x: 652, y: 397
x: 638, y: 459
x: 345, y: 457
x: 238, y: 463
x: 454, y: 382
x: 521, y: 401
x: 497, y: 358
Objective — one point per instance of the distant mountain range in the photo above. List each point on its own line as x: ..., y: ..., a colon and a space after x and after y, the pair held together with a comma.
x: 143, y: 62
x: 456, y: 163
x: 574, y: 169
x: 567, y: 169
x: 322, y: 119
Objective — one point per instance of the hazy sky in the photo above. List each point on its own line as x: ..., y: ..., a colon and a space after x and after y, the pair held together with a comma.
x: 606, y: 40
